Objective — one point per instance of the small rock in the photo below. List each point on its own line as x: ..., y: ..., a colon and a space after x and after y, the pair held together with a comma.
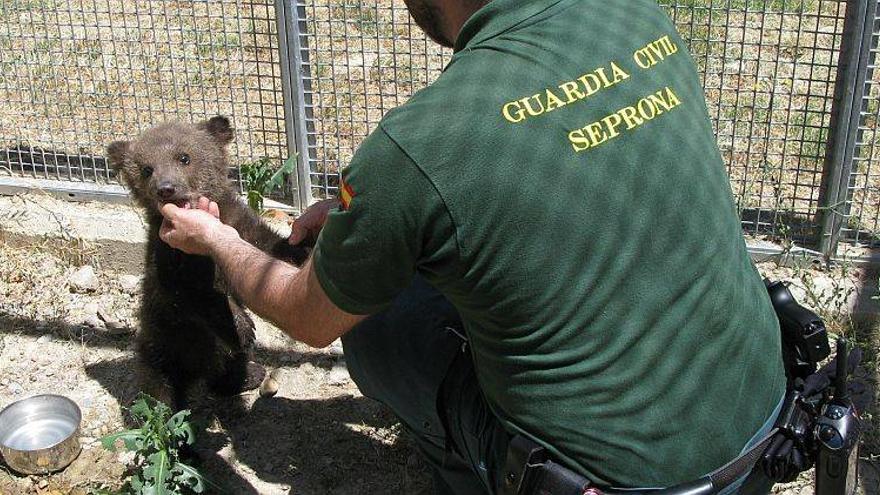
x: 43, y: 484
x: 117, y: 328
x: 45, y: 339
x: 15, y: 388
x: 49, y: 373
x: 126, y: 457
x: 104, y: 315
x: 335, y: 348
x: 93, y: 321
x: 338, y: 375
x: 91, y: 309
x: 84, y: 280
x: 270, y: 384
x: 130, y: 284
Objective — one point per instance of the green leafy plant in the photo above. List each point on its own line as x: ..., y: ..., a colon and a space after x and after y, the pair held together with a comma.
x: 261, y: 179
x: 157, y: 468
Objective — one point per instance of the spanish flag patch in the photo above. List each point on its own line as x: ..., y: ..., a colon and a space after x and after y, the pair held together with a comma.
x: 346, y: 194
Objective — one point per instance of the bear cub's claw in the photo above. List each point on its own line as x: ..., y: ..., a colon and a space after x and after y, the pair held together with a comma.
x: 255, y: 375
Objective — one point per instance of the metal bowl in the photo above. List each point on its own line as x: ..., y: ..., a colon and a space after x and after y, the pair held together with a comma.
x: 40, y: 434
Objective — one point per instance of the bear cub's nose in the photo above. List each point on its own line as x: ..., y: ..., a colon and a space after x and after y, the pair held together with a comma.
x: 166, y: 191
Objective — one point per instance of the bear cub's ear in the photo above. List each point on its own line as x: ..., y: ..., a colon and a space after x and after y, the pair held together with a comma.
x: 116, y: 152
x: 219, y: 128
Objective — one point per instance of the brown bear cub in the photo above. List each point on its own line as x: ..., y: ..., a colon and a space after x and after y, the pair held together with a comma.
x: 192, y: 326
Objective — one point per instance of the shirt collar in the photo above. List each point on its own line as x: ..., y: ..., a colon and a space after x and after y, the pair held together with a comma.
x: 497, y: 17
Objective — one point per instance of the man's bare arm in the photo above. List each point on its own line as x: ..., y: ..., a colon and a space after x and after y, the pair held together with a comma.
x: 290, y: 297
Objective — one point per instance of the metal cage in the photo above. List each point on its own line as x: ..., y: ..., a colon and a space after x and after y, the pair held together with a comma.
x: 790, y: 85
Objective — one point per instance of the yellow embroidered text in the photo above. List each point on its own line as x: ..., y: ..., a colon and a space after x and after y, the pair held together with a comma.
x: 625, y: 119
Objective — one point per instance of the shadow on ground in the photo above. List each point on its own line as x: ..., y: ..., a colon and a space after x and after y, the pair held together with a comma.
x: 317, y: 446
x: 313, y: 446
x: 340, y: 444
x: 866, y: 327
x: 90, y: 337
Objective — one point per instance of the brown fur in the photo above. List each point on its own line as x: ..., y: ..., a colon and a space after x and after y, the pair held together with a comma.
x: 192, y: 326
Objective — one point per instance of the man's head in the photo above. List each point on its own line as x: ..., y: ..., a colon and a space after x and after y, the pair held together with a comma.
x: 442, y: 20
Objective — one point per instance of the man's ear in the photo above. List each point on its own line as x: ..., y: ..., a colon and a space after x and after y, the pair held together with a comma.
x: 116, y: 152
x: 219, y: 128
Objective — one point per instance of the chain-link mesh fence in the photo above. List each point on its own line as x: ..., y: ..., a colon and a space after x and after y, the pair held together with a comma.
x: 768, y: 68
x: 77, y: 74
x: 365, y: 58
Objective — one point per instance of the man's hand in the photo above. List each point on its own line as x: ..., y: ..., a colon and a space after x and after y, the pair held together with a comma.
x: 194, y: 230
x: 308, y: 225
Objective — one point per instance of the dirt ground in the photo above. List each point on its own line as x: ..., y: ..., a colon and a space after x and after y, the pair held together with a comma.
x: 62, y: 331
x: 318, y: 435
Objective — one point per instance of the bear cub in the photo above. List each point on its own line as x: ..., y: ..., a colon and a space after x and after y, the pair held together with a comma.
x: 192, y: 326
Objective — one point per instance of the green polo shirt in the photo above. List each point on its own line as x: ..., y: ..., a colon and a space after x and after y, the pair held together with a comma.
x: 561, y: 185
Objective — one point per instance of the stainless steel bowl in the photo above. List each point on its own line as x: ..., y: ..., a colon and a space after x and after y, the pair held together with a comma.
x: 40, y: 434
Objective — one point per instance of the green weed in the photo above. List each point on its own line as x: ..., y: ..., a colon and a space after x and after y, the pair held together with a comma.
x: 157, y: 443
x: 260, y: 180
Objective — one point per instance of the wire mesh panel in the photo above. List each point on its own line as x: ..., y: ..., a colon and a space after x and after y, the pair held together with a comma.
x: 861, y: 227
x: 365, y: 58
x: 768, y: 68
x: 77, y: 74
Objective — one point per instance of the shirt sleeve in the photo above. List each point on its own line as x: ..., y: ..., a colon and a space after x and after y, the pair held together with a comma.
x: 391, y: 222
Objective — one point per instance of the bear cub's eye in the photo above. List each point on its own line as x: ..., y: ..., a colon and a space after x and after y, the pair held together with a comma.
x: 184, y: 158
x: 146, y: 172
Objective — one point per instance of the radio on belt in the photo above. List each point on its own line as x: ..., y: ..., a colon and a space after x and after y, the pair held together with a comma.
x: 837, y: 433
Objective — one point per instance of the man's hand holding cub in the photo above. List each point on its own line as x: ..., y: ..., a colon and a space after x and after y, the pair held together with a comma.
x: 195, y: 230
x: 308, y: 225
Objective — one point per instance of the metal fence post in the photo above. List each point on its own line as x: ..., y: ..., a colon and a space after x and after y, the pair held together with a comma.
x: 297, y: 92
x: 852, y: 78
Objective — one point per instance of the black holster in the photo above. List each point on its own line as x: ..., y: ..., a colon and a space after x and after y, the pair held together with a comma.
x: 529, y: 470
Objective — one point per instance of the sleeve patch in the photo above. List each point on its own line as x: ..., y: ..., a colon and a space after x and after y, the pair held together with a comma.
x: 346, y: 194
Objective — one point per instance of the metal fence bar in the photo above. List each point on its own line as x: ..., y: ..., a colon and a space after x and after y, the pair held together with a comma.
x: 296, y: 84
x: 846, y: 117
x: 861, y: 230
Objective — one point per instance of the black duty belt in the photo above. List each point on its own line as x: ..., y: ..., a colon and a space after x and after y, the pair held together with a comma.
x: 530, y: 471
